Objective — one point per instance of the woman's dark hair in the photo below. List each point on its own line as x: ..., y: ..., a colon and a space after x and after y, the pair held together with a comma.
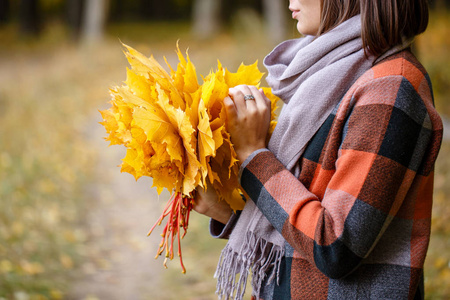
x: 384, y: 23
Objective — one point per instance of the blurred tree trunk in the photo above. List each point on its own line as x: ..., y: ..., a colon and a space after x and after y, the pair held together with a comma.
x: 206, y: 18
x: 29, y: 17
x: 155, y: 9
x: 148, y: 8
x: 4, y: 11
x: 94, y: 20
x: 74, y: 13
x: 275, y: 17
x: 438, y: 4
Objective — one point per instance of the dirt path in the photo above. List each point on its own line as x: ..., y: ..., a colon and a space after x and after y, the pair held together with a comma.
x: 120, y: 258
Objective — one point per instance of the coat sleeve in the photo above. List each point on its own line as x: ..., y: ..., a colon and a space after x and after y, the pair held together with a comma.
x: 380, y: 151
x: 219, y: 230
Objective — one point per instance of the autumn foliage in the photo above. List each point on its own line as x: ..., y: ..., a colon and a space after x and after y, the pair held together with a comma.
x: 175, y: 132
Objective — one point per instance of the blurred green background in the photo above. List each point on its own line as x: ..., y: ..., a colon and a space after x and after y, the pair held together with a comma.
x: 71, y: 225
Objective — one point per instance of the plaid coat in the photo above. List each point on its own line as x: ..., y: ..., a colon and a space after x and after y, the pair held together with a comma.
x: 357, y: 220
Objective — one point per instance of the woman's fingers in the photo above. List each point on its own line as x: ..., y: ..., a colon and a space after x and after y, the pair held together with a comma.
x: 244, y: 98
x: 261, y: 101
x: 248, y: 101
x: 230, y: 108
x: 238, y: 99
x: 268, y: 102
x: 248, y: 119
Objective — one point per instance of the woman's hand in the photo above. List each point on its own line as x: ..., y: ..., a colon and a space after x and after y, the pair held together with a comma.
x: 248, y: 119
x: 208, y: 204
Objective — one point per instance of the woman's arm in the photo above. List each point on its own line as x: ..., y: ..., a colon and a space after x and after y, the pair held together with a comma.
x: 377, y: 162
x: 222, y: 216
x: 207, y: 203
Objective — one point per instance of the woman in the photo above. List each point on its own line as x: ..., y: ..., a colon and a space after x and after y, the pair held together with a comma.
x: 340, y: 200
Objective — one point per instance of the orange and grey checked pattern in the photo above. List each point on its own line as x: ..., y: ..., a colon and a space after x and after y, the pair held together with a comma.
x: 357, y: 220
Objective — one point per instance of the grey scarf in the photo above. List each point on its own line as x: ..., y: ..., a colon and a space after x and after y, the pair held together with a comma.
x: 311, y: 75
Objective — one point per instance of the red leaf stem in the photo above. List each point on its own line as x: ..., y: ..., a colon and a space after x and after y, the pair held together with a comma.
x: 177, y: 211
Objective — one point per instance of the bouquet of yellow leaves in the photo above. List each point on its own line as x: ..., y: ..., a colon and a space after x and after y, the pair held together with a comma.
x: 174, y: 130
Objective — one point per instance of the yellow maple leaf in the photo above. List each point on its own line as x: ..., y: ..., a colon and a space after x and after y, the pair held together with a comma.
x: 206, y: 143
x: 185, y: 77
x: 182, y: 123
x: 273, y: 108
x: 152, y: 70
x: 158, y: 129
x: 249, y: 75
x: 140, y: 86
x: 139, y: 153
x: 117, y: 120
x: 214, y: 90
x: 227, y: 187
x: 111, y: 126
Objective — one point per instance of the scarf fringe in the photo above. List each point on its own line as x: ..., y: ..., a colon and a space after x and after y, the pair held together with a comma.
x: 234, y: 267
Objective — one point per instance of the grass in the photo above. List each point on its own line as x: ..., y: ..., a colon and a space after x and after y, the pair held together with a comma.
x: 50, y: 90
x: 44, y: 169
x: 44, y: 166
x: 432, y: 48
x: 437, y: 263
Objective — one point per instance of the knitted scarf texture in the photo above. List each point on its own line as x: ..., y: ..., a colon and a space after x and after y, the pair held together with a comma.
x: 311, y: 75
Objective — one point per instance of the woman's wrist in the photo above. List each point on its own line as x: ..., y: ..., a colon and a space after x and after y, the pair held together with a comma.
x: 207, y: 203
x: 243, y: 155
x: 219, y: 211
